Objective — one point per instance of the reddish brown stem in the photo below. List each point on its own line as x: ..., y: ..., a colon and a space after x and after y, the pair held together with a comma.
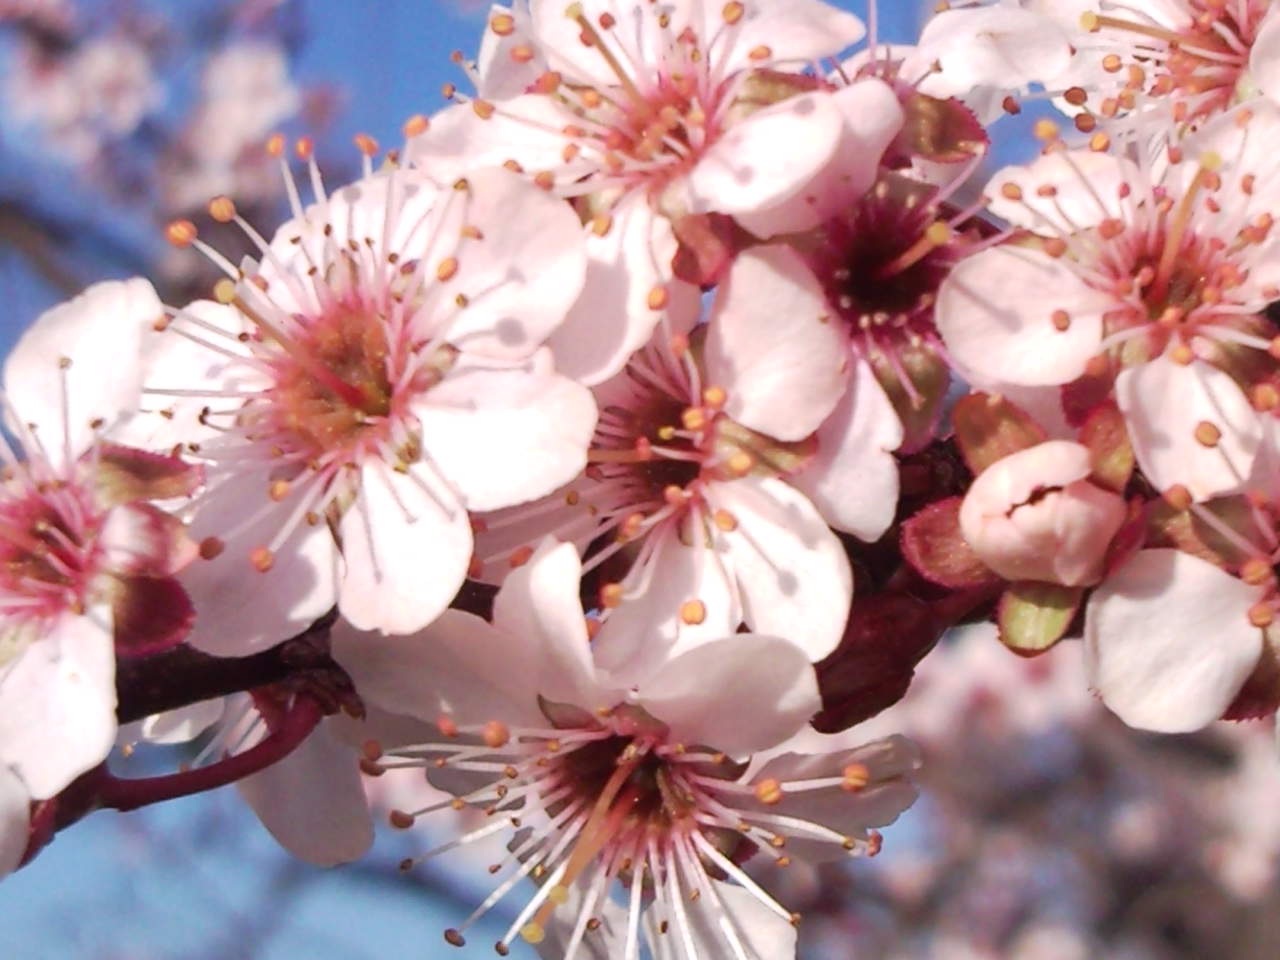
x: 117, y: 794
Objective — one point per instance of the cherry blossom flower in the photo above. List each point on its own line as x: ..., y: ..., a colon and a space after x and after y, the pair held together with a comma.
x: 1152, y: 284
x: 378, y: 373
x: 1034, y: 515
x: 663, y: 780
x: 86, y: 563
x: 693, y: 505
x: 651, y: 114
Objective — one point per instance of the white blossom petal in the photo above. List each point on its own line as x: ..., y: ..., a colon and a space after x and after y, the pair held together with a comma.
x: 1169, y: 642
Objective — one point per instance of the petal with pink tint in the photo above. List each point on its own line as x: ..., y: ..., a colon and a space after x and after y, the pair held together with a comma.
x: 758, y: 929
x: 502, y: 71
x: 1264, y: 57
x: 853, y: 480
x: 140, y: 538
x: 773, y: 346
x: 996, y: 313
x: 539, y: 603
x: 101, y: 334
x: 175, y: 361
x: 406, y: 543
x: 313, y: 802
x: 885, y: 766
x: 240, y: 609
x: 798, y: 32
x: 740, y: 694
x: 58, y: 703
x: 1169, y: 642
x: 458, y: 664
x: 1062, y: 192
x: 504, y: 437
x: 615, y: 315
x: 522, y: 274
x: 527, y: 129
x: 15, y: 820
x: 793, y: 575
x: 992, y: 46
x: 184, y: 724
x: 655, y: 623
x: 872, y: 119
x: 768, y: 157
x: 1165, y: 403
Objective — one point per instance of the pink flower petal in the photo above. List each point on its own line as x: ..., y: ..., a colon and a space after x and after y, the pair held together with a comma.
x: 1165, y: 402
x: 406, y: 543
x: 996, y: 313
x: 1169, y: 642
x: 773, y: 346
x: 58, y: 703
x: 768, y: 157
x: 741, y: 694
x: 313, y: 802
x: 101, y: 333
x: 853, y: 481
x: 793, y: 575
x: 504, y: 437
x: 614, y: 316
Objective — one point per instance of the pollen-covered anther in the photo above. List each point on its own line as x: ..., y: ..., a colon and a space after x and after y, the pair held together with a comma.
x: 741, y: 463
x: 1265, y: 396
x: 1046, y: 131
x: 1208, y: 434
x: 447, y: 269
x: 1256, y: 571
x: 417, y: 124
x: 278, y: 490
x: 631, y: 526
x: 181, y: 233
x: 732, y: 12
x: 674, y: 496
x: 714, y: 396
x: 855, y: 777
x: 503, y: 24
x: 305, y: 148
x: 1181, y: 354
x: 484, y: 109
x: 211, y: 547
x: 693, y: 418
x: 658, y: 298
x: 533, y: 932
x: 1261, y: 614
x: 1061, y: 320
x: 760, y: 53
x: 769, y: 791
x: 725, y: 520
x: 611, y: 595
x: 495, y: 734
x: 693, y: 612
x: 1178, y: 497
x: 222, y: 209
x: 262, y: 559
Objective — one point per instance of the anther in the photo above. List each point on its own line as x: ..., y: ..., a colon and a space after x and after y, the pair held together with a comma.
x: 769, y: 792
x: 856, y: 777
x: 211, y: 547
x: 415, y: 125
x: 693, y: 612
x: 495, y: 734
x: 262, y: 559
x: 181, y: 233
x: 1178, y: 497
x: 400, y: 820
x: 1207, y: 433
x: 658, y: 298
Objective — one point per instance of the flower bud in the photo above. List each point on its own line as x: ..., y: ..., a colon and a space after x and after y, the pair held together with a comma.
x: 1034, y: 515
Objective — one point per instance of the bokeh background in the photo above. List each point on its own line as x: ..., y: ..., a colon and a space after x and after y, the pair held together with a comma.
x: 1046, y: 830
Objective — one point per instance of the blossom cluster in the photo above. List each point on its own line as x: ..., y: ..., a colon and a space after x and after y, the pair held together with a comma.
x: 546, y: 456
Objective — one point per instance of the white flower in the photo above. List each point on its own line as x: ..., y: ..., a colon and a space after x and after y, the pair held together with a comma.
x: 85, y: 562
x: 376, y: 375
x: 691, y: 499
x: 645, y: 109
x: 1154, y: 281
x: 647, y: 778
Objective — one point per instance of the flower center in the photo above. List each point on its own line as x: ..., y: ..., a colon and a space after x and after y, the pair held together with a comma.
x: 47, y: 550
x: 1202, y: 64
